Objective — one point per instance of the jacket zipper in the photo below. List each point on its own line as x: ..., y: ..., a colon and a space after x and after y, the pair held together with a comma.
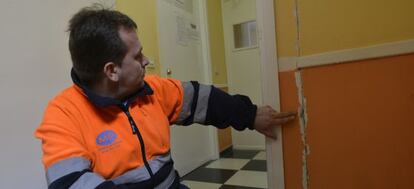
x: 135, y: 131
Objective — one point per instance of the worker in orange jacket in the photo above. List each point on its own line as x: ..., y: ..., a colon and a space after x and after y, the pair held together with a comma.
x: 110, y: 129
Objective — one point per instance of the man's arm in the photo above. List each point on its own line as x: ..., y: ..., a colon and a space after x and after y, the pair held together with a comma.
x: 267, y: 118
x: 74, y: 173
x: 66, y: 160
x: 208, y: 105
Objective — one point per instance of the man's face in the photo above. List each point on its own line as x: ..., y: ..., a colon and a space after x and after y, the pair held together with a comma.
x: 133, y: 65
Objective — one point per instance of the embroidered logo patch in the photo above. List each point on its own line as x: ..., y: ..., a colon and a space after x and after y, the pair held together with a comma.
x: 106, y: 138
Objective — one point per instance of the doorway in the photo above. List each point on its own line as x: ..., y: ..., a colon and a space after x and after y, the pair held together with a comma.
x: 247, y: 49
x: 242, y: 59
x: 259, y: 71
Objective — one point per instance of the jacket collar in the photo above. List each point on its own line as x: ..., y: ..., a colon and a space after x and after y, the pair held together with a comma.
x: 102, y: 101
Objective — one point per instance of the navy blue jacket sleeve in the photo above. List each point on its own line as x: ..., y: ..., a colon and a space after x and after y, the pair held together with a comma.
x: 230, y: 110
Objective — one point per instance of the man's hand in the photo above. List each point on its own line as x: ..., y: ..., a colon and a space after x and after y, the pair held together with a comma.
x: 267, y: 118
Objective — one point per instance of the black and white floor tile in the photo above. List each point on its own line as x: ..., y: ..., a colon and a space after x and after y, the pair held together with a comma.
x: 236, y: 169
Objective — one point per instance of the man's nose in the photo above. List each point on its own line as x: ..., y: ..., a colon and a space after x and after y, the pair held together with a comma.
x: 145, y: 61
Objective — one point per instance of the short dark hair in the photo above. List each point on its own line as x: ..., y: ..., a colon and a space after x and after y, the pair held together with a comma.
x: 94, y: 40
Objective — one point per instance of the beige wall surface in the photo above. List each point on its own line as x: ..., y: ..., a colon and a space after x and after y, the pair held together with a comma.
x: 286, y: 28
x: 326, y: 25
x: 216, y: 39
x: 144, y: 13
x: 334, y: 25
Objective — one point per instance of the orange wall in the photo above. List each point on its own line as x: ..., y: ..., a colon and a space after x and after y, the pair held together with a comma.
x: 360, y: 127
x: 360, y: 114
x: 292, y: 144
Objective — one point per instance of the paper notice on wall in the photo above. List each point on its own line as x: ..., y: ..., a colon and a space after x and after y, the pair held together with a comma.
x: 187, y: 31
x: 194, y: 32
x: 186, y: 5
x: 182, y: 36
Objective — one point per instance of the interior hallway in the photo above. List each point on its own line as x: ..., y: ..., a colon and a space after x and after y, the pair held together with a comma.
x: 236, y: 169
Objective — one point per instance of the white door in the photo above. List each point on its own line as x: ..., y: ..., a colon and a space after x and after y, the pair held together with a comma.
x: 181, y: 55
x: 243, y: 61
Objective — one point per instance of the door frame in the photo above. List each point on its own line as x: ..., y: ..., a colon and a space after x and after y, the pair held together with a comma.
x: 270, y: 88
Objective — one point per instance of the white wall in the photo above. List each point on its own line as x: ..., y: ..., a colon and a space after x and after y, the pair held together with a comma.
x: 35, y: 65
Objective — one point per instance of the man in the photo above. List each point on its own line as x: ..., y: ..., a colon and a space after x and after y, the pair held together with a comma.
x: 111, y: 128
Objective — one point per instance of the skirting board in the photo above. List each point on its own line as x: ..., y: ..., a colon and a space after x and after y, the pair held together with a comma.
x: 246, y: 147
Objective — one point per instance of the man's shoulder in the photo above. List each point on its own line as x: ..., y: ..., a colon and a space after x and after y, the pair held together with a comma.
x: 156, y: 82
x: 70, y: 95
x: 151, y: 79
x: 164, y: 86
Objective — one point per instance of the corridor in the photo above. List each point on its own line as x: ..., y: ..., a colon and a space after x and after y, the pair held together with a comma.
x: 236, y: 169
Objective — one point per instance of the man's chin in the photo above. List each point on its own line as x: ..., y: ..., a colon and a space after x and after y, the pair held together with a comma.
x: 141, y: 84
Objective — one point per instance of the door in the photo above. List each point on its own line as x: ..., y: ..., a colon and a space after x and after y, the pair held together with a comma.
x: 243, y: 61
x: 181, y: 57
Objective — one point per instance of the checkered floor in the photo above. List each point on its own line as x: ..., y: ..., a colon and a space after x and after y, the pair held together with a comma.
x: 236, y: 169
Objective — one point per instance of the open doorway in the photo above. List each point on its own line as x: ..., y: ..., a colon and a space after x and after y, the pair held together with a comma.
x: 243, y: 61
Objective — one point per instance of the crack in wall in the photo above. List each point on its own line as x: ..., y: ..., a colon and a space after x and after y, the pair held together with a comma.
x: 303, y: 117
x: 303, y: 120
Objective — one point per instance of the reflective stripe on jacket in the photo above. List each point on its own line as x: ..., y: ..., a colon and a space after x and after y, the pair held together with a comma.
x: 89, y: 144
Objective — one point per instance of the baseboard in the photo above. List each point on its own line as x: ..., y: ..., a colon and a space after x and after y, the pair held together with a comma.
x: 247, y: 147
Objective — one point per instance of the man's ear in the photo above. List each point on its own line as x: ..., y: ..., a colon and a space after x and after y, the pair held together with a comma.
x: 111, y: 71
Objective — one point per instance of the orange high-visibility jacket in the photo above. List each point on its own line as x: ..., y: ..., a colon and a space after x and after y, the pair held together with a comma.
x: 90, y: 141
